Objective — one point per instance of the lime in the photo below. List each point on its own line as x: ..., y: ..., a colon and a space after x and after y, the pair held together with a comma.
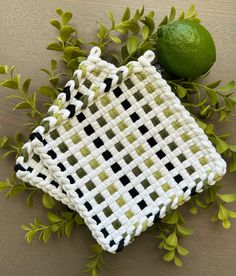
x: 185, y: 48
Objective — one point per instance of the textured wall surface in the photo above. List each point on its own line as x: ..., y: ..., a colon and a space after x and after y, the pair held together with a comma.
x: 24, y: 35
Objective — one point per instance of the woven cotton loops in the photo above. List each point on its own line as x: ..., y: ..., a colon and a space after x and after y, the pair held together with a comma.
x: 118, y: 147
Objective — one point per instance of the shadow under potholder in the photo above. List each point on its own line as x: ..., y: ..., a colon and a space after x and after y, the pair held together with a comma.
x: 118, y: 147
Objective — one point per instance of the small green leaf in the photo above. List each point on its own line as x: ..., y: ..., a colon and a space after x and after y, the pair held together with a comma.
x: 48, y: 201
x: 25, y: 227
x: 74, y: 52
x: 204, y: 110
x: 12, y: 70
x: 3, y: 69
x: 181, y: 91
x: 17, y: 79
x: 201, y: 124
x: 226, y: 223
x: 182, y: 250
x: 193, y: 210
x: 78, y: 219
x: 169, y: 256
x: 29, y: 236
x: 212, y: 95
x: 172, y: 14
x: 53, y: 65
x: 16, y: 189
x: 59, y: 11
x: 223, y: 115
x: 232, y: 98
x: 54, y: 81
x: 132, y: 44
x: 66, y: 17
x: 178, y: 262
x: 214, y: 84
x: 145, y: 32
x: 172, y: 240
x: 65, y: 32
x: 126, y: 14
x: 55, y: 47
x: 130, y: 25
x: 221, y: 145
x: 191, y: 11
x: 139, y: 13
x: 68, y: 215
x: 149, y: 22
x: 53, y: 217
x: 184, y: 231
x: 13, y: 84
x: 97, y: 249
x: 227, y: 197
x: 68, y: 227
x: 46, y: 235
x: 161, y: 245
x: 164, y: 21
x: 171, y: 218
x: 115, y: 39
x: 199, y: 203
x: 3, y: 185
x: 232, y: 148
x: 25, y: 86
x: 47, y: 91
x: 223, y: 213
x: 111, y: 17
x: 228, y: 87
x: 30, y: 199
x: 209, y: 129
x: 22, y: 105
x: 168, y: 247
x: 55, y: 227
x: 3, y: 141
x: 45, y: 71
x: 102, y: 31
x: 232, y: 214
x: 232, y: 166
x: 182, y: 15
x: 56, y: 24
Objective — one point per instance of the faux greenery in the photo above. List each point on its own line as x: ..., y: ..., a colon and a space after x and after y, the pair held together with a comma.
x: 129, y: 37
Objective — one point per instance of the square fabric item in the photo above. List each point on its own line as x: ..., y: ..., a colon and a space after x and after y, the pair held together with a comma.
x: 118, y: 147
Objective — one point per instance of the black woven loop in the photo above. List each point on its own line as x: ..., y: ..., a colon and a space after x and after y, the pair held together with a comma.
x: 71, y: 108
x: 108, y: 82
x: 66, y: 90
x: 18, y: 167
x: 37, y: 135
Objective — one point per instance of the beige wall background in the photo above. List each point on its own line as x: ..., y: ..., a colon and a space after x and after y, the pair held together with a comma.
x: 24, y: 35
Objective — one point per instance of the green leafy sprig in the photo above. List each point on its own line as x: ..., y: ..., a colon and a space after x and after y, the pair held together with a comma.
x: 133, y: 35
x: 26, y: 100
x: 68, y: 42
x: 62, y: 224
x: 206, y: 99
x: 95, y: 262
x: 170, y: 229
x: 213, y: 199
x: 191, y: 14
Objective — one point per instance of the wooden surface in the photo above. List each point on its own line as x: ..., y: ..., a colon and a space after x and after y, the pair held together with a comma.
x: 24, y: 34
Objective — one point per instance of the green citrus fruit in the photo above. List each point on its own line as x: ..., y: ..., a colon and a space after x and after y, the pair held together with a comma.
x: 185, y: 48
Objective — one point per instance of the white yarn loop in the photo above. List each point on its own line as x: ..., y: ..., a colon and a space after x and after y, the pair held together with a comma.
x: 95, y: 51
x: 149, y: 55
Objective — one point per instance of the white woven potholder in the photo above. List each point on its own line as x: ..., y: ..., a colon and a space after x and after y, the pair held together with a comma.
x: 118, y: 147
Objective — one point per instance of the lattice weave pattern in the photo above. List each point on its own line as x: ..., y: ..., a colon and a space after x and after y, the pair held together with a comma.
x: 118, y: 147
